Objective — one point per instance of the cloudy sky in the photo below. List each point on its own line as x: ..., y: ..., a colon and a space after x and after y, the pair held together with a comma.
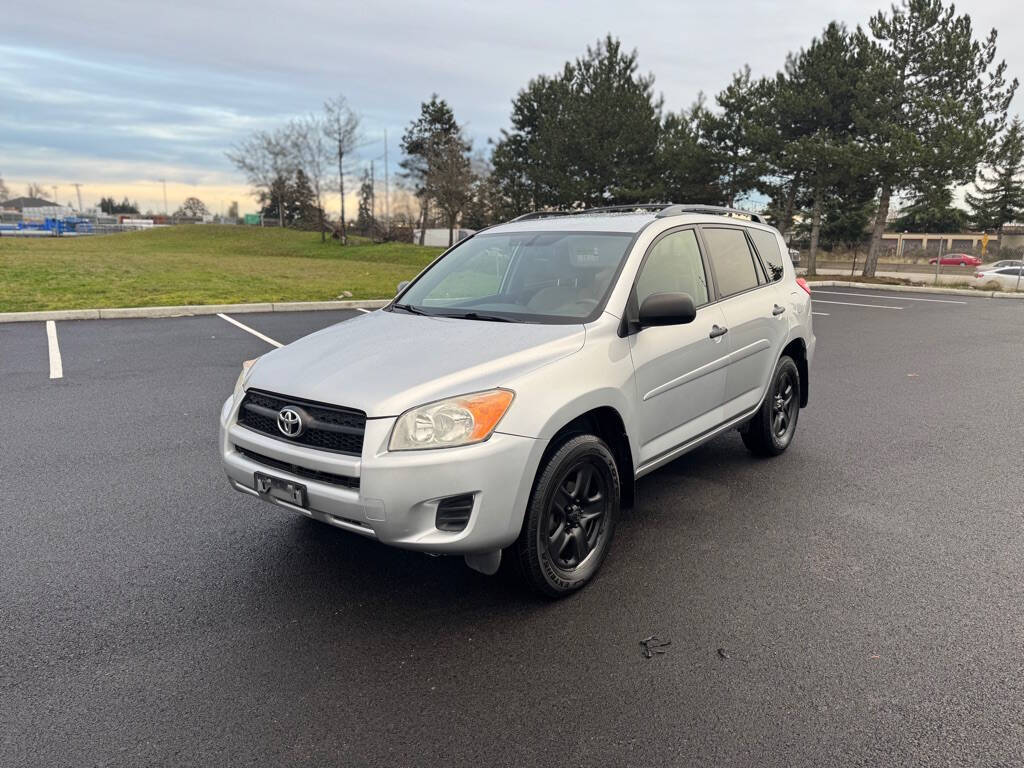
x: 117, y: 95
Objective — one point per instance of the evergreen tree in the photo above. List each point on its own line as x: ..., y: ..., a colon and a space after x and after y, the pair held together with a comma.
x: 732, y: 137
x: 937, y: 98
x: 365, y: 221
x: 689, y: 168
x: 435, y: 127
x: 1000, y: 197
x: 588, y: 136
x: 815, y: 105
x: 932, y: 210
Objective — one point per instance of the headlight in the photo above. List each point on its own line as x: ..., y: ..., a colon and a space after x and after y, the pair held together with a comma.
x: 243, y: 375
x: 446, y: 423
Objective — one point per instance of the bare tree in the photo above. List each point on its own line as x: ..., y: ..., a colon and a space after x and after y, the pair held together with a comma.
x: 267, y: 160
x: 4, y: 194
x: 33, y: 189
x: 310, y: 152
x: 449, y: 181
x: 341, y: 127
x: 192, y: 208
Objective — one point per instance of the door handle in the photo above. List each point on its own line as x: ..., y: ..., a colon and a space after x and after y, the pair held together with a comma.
x: 716, y: 331
x: 777, y: 310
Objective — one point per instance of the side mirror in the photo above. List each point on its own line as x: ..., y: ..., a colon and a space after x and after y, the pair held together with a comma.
x: 667, y: 309
x: 402, y: 286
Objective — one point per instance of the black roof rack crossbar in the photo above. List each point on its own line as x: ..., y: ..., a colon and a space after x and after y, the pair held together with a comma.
x: 675, y: 210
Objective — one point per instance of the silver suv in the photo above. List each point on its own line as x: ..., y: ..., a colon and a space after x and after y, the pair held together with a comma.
x: 507, y: 400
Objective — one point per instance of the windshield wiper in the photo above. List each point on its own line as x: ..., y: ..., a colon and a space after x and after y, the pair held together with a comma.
x: 481, y: 316
x: 409, y: 308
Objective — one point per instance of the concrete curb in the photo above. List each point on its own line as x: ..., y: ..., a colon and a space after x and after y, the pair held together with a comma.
x: 913, y: 289
x: 186, y: 310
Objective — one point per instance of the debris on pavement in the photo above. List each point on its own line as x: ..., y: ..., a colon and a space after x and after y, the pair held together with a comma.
x: 652, y: 645
x: 723, y: 653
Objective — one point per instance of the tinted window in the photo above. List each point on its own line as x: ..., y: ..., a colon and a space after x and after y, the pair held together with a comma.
x: 767, y: 245
x: 1009, y: 271
x: 731, y: 260
x: 674, y: 266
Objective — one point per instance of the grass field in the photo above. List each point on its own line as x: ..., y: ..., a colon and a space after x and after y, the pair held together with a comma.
x: 197, y: 265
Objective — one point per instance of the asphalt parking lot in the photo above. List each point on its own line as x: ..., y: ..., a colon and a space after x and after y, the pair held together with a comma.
x: 857, y: 601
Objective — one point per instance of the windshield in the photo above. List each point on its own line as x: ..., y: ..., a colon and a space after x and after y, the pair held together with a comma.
x: 556, y: 277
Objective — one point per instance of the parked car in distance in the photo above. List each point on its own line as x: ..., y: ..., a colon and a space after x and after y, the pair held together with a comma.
x: 1000, y: 264
x: 794, y: 256
x: 504, y: 404
x: 959, y: 260
x: 1005, y: 277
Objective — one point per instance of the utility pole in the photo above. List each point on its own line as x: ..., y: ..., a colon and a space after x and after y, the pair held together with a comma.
x: 387, y: 192
x: 164, y: 182
x: 78, y: 190
x: 373, y: 202
x: 55, y: 200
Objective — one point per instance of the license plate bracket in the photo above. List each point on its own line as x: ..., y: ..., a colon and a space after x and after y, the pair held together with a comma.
x: 280, y: 489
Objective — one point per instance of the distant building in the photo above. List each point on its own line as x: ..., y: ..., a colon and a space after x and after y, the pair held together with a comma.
x: 20, y: 203
x: 438, y: 237
x: 917, y: 244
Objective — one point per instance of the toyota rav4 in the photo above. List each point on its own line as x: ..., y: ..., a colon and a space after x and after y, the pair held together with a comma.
x: 505, y: 403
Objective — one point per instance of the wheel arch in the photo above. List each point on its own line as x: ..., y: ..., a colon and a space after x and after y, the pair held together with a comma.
x: 797, y: 350
x: 605, y: 422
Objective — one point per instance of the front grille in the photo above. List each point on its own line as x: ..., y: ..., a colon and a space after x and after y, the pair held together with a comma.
x: 311, y: 474
x: 453, y: 513
x: 329, y: 427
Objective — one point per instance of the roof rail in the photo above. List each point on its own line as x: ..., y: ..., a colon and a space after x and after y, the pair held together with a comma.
x: 604, y: 209
x: 718, y: 210
x: 540, y: 215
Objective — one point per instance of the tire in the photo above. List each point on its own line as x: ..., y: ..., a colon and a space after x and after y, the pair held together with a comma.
x: 963, y: 263
x: 570, y: 519
x: 771, y: 430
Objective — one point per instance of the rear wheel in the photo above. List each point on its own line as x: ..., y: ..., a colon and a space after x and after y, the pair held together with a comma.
x: 571, y: 517
x: 771, y: 430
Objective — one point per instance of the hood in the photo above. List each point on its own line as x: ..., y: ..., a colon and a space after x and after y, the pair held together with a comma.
x: 384, y: 363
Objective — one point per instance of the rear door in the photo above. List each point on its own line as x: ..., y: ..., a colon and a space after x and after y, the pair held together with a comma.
x: 754, y: 314
x: 680, y: 369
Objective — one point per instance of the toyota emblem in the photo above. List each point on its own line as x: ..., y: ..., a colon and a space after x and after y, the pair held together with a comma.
x: 289, y: 421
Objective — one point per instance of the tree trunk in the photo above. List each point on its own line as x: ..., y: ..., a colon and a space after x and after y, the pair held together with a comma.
x: 878, y: 230
x: 812, y: 257
x: 423, y: 220
x: 451, y: 232
x: 320, y: 218
x: 787, y: 216
x: 341, y: 189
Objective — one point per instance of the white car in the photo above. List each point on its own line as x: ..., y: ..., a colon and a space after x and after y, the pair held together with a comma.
x: 1008, y: 278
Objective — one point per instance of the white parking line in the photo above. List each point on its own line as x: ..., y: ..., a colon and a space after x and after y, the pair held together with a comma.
x: 853, y: 304
x: 364, y: 311
x: 56, y: 367
x: 254, y: 332
x: 876, y: 296
x: 823, y: 314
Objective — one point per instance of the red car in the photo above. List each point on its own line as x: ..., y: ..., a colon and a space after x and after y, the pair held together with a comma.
x: 958, y: 259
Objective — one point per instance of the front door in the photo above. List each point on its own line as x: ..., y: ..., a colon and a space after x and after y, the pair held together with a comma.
x: 680, y: 370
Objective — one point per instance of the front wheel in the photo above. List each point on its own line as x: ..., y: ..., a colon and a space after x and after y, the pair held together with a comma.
x: 771, y: 430
x: 571, y: 516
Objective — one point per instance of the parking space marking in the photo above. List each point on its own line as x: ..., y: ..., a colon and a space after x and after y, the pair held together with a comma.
x: 253, y: 331
x: 56, y: 367
x: 364, y: 311
x: 823, y: 314
x: 876, y: 296
x: 854, y: 304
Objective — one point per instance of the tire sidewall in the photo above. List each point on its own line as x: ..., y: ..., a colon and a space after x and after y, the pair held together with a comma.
x: 785, y: 363
x: 555, y: 580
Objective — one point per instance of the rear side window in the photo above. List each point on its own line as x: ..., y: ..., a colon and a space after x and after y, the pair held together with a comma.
x: 674, y: 266
x: 1009, y: 271
x: 731, y: 260
x: 767, y: 245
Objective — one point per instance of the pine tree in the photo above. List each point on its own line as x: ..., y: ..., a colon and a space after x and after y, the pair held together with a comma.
x: 587, y: 136
x: 1000, y: 197
x: 937, y: 98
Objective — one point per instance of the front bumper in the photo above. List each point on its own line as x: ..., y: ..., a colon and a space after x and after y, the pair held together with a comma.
x: 396, y: 501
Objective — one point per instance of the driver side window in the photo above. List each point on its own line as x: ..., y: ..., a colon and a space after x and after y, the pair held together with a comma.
x: 674, y: 266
